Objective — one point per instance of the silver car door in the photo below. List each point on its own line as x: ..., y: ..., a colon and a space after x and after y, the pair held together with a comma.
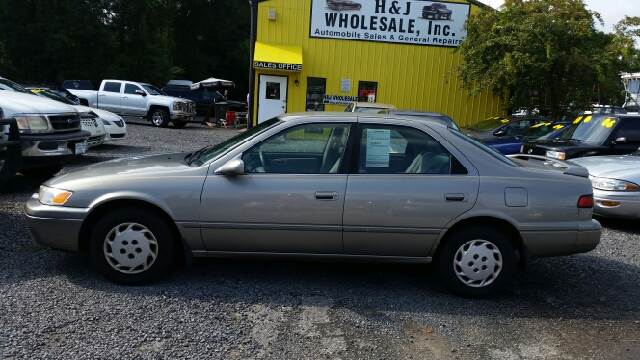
x: 109, y: 97
x: 404, y: 189
x: 132, y: 101
x: 289, y: 201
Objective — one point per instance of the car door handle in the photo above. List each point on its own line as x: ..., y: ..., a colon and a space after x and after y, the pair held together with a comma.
x: 454, y: 197
x: 326, y: 195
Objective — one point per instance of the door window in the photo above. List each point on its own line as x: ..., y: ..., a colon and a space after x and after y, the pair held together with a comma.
x: 403, y: 150
x: 112, y: 87
x: 367, y: 91
x: 630, y: 130
x: 131, y: 89
x: 306, y: 149
x: 273, y: 91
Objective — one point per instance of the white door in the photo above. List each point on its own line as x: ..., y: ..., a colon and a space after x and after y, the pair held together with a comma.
x: 272, y: 97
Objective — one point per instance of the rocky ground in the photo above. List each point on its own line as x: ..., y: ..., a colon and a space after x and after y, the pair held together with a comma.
x: 52, y: 305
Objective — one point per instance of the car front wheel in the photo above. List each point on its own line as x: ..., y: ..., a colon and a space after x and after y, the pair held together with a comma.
x: 476, y: 261
x: 160, y: 118
x: 132, y: 246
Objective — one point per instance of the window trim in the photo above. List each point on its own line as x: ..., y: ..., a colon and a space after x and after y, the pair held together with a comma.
x: 354, y: 164
x: 344, y: 164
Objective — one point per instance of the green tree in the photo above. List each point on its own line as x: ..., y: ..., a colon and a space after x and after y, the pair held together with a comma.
x: 544, y: 54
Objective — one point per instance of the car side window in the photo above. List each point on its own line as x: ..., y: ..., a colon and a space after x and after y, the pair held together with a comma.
x: 305, y: 149
x: 403, y: 150
x: 131, y: 89
x: 630, y: 130
x: 112, y: 87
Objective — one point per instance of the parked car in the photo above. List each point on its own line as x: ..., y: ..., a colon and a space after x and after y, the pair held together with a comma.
x: 203, y: 97
x: 128, y: 98
x: 591, y: 135
x: 328, y: 185
x: 10, y: 152
x: 90, y: 121
x: 513, y: 144
x: 50, y: 131
x: 498, y: 127
x: 431, y: 116
x: 343, y: 5
x: 436, y: 11
x: 615, y: 180
x: 370, y: 108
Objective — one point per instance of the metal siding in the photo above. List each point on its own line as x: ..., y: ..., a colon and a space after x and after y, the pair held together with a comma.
x: 409, y: 76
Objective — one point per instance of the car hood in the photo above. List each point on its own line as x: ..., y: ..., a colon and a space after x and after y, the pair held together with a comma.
x: 503, y: 140
x: 16, y: 103
x: 135, y: 167
x: 568, y: 146
x: 480, y: 135
x: 102, y: 114
x: 622, y: 167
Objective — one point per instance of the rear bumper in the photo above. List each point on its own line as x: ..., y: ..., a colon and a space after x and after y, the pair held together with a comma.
x: 560, y: 243
x: 53, y: 226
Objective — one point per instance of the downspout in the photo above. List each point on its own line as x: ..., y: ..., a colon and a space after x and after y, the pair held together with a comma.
x: 252, y: 72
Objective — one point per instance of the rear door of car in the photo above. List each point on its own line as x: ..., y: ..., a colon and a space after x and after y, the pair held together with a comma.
x: 109, y: 96
x: 403, y: 188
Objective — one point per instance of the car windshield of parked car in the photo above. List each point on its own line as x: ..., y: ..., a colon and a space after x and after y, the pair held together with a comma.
x: 152, y: 90
x: 494, y: 153
x: 9, y: 85
x: 53, y: 96
x: 206, y: 154
x: 541, y: 129
x: 489, y: 124
x: 590, y: 130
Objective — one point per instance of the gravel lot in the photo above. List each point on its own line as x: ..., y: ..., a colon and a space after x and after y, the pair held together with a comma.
x: 53, y: 306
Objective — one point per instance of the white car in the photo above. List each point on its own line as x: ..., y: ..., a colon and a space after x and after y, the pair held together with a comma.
x: 129, y: 98
x: 114, y: 125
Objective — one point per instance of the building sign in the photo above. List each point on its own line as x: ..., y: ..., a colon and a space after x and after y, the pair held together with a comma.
x: 277, y: 66
x: 418, y: 22
x: 339, y: 99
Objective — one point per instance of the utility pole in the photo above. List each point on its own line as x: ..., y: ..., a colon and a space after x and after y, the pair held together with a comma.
x: 252, y: 72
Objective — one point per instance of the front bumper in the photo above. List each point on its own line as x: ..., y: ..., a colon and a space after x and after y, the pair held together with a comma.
x: 56, y: 227
x: 561, y: 243
x: 627, y: 207
x: 51, y: 145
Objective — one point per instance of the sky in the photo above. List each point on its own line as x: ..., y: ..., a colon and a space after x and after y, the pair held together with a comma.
x: 612, y: 11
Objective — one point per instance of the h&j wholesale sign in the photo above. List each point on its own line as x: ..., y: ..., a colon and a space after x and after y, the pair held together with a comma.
x: 419, y: 22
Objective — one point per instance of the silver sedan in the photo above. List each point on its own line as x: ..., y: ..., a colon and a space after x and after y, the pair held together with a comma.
x: 616, y: 184
x: 325, y: 186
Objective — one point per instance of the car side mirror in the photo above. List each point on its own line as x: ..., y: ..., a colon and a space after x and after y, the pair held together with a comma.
x: 140, y: 92
x: 231, y: 168
x: 620, y: 140
x: 500, y: 132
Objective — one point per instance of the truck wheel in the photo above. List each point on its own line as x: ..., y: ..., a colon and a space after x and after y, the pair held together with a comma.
x: 179, y: 124
x: 476, y: 261
x: 159, y: 117
x: 41, y: 173
x: 132, y: 246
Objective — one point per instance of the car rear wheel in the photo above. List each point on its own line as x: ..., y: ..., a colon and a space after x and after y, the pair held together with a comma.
x: 476, y: 261
x: 132, y: 246
x: 159, y: 117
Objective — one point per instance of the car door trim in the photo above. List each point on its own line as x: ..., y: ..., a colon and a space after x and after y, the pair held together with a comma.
x: 259, y: 226
x: 350, y: 257
x: 390, y: 230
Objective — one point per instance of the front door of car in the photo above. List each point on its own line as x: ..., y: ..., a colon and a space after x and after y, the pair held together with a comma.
x: 290, y: 198
x: 626, y: 138
x: 133, y: 100
x: 403, y: 190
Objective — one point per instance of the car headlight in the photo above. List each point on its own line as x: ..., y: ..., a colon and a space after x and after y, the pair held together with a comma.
x: 613, y: 184
x: 559, y: 155
x: 32, y: 124
x: 106, y: 122
x: 53, y: 197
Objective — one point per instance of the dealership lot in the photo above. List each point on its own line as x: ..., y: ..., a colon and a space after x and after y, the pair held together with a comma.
x: 53, y: 305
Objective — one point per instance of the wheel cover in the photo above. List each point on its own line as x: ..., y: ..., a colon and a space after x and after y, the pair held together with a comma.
x: 130, y: 248
x: 477, y: 263
x: 157, y: 118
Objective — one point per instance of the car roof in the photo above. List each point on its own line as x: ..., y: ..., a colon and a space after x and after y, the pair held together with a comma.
x: 355, y: 116
x: 364, y: 104
x: 417, y: 113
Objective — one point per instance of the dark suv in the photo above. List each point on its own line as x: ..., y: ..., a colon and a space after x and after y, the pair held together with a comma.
x: 436, y: 12
x: 590, y: 135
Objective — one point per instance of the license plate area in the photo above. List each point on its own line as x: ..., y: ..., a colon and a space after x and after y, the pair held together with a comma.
x: 80, y: 148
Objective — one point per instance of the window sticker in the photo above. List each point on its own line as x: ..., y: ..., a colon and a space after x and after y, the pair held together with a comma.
x: 504, y: 121
x: 587, y: 119
x: 609, y: 123
x: 558, y: 127
x: 577, y: 120
x: 378, y: 144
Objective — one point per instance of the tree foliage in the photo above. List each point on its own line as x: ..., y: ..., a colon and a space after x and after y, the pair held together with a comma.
x: 47, y: 41
x: 546, y: 55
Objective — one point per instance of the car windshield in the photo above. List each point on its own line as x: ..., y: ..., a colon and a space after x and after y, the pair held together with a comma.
x: 590, y: 129
x: 494, y: 153
x: 489, y: 124
x: 9, y: 85
x: 53, y: 96
x: 542, y: 129
x: 152, y: 90
x: 206, y: 154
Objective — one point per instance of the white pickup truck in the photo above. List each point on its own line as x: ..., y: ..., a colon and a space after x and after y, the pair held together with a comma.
x: 128, y: 98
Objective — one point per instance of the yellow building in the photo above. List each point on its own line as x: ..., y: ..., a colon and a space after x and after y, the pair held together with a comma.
x: 318, y: 55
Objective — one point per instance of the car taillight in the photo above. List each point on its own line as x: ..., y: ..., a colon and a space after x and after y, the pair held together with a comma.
x: 585, y: 202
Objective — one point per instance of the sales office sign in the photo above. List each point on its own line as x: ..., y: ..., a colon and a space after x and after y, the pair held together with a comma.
x: 419, y: 22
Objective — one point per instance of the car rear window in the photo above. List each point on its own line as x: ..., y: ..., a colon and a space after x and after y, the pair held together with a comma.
x: 494, y: 153
x: 112, y: 87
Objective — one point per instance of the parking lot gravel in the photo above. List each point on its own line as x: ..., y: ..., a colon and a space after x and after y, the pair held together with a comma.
x: 52, y: 305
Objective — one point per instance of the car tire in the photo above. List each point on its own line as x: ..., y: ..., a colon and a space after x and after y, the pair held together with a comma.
x: 41, y: 173
x: 477, y: 261
x: 132, y: 246
x: 180, y: 124
x: 159, y: 117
